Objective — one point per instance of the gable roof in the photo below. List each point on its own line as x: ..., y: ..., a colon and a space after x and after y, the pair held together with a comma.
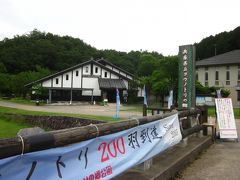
x: 232, y: 57
x: 75, y: 67
x: 104, y: 62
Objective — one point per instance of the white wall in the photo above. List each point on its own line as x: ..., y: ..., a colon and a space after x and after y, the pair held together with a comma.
x: 89, y: 82
x: 89, y: 69
x: 67, y: 83
x: 103, y: 74
x: 130, y: 77
x: 46, y: 83
x: 113, y: 76
x: 108, y: 66
x: 77, y: 79
x: 59, y: 81
x: 94, y: 70
x: 122, y: 73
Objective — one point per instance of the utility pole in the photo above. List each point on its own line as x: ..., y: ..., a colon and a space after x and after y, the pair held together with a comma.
x: 215, y: 49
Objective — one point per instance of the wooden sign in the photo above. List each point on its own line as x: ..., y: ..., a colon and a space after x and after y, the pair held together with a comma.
x: 225, y: 118
x: 186, y: 86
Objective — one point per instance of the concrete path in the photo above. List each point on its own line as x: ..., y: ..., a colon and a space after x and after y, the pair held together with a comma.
x: 220, y: 161
x: 110, y: 110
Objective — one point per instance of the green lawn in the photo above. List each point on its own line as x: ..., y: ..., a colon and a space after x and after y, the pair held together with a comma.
x: 20, y: 101
x: 10, y: 125
x: 9, y: 128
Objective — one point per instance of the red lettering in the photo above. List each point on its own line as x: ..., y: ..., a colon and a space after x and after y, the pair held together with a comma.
x: 123, y: 146
x: 104, y: 158
x: 112, y: 148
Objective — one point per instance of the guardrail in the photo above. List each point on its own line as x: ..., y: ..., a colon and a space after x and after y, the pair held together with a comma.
x: 187, y: 127
x: 14, y: 146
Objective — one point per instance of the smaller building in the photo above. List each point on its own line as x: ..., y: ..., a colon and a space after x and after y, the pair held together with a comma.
x: 221, y: 71
x: 93, y: 80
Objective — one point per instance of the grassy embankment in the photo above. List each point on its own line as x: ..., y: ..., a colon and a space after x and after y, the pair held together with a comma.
x: 10, y: 125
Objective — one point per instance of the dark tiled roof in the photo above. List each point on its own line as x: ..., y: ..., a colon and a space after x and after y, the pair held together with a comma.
x: 111, y: 83
x: 232, y: 57
x: 104, y: 62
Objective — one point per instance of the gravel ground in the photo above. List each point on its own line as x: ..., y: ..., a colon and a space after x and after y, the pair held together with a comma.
x: 110, y: 110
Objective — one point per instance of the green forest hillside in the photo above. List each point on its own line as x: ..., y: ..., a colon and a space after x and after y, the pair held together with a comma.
x: 222, y: 43
x: 40, y: 49
x: 26, y: 58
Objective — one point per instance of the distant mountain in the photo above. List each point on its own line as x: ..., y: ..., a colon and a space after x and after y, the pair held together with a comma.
x: 220, y: 43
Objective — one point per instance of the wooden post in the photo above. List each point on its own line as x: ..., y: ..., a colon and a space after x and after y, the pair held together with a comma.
x: 144, y: 110
x: 204, y: 118
x: 50, y: 95
x: 71, y: 96
x: 92, y: 97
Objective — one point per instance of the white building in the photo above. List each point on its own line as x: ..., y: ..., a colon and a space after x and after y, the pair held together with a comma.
x: 222, y: 70
x: 88, y: 81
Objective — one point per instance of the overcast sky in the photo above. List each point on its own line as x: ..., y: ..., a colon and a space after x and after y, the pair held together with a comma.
x: 123, y: 25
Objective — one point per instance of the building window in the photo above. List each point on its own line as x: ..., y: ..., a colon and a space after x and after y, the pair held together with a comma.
x: 238, y: 72
x: 76, y: 73
x: 86, y: 69
x: 206, y: 76
x: 227, y: 82
x: 105, y: 74
x: 56, y: 80
x: 66, y: 77
x: 96, y: 69
x: 197, y: 76
x: 228, y: 75
x: 206, y: 83
x: 216, y: 76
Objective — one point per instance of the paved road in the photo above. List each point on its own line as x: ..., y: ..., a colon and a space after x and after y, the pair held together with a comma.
x: 220, y: 161
x: 109, y: 110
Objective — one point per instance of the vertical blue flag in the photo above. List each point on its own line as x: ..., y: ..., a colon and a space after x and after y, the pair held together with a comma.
x: 117, y: 104
x: 144, y: 96
x: 170, y: 99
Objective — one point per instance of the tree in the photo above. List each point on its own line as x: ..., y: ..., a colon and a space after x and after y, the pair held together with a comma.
x: 166, y: 78
x: 148, y: 63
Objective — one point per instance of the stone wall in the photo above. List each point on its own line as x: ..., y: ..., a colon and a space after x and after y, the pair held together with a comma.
x: 58, y: 122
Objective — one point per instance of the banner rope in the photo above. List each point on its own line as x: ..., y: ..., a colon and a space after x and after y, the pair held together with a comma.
x: 22, y: 143
x: 96, y: 128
